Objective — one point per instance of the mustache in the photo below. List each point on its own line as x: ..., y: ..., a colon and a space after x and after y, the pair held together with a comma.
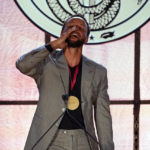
x: 74, y: 44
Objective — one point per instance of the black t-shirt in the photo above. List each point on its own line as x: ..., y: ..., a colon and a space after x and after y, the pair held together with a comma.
x: 67, y: 121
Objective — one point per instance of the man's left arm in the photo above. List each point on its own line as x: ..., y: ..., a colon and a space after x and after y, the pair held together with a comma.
x: 103, y: 117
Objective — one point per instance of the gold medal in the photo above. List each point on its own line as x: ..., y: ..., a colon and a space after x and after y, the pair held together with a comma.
x: 73, y: 103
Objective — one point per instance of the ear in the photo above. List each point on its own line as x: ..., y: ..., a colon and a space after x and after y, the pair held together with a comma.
x: 86, y: 39
x: 61, y: 33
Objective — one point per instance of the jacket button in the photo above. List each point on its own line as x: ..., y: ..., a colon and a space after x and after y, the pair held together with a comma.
x: 65, y: 132
x: 63, y: 109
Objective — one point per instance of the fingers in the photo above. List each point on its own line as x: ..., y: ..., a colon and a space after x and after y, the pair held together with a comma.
x: 66, y: 34
x: 61, y: 42
x: 71, y: 30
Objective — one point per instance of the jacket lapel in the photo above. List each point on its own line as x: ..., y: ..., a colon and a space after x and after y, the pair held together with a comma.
x: 63, y: 70
x: 88, y: 71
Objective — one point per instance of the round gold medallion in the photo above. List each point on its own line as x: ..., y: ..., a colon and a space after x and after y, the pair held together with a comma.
x: 73, y: 103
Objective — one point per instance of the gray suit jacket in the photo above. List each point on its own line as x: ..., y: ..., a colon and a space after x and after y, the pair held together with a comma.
x: 46, y: 70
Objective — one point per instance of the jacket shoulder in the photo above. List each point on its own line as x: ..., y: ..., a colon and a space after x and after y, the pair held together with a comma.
x: 98, y: 66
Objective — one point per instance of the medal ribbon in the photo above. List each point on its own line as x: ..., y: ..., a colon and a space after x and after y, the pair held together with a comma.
x: 74, y: 77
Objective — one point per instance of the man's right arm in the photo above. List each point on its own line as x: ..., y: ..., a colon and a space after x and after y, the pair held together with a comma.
x: 31, y: 63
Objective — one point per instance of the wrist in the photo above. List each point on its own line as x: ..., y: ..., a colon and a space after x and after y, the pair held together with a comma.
x: 49, y: 47
x: 54, y: 45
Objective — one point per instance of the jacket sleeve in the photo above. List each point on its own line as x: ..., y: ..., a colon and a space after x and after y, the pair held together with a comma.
x: 103, y: 117
x: 31, y: 63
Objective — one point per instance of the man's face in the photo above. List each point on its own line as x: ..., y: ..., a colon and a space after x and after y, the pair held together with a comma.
x: 78, y: 37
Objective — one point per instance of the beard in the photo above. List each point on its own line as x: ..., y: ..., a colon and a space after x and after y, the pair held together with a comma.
x: 74, y: 44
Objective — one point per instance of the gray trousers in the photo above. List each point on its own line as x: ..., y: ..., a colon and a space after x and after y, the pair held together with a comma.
x: 70, y: 140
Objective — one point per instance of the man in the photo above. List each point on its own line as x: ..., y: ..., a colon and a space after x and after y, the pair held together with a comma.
x: 73, y: 104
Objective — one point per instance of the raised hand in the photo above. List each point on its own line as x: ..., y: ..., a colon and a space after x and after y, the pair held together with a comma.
x: 61, y: 42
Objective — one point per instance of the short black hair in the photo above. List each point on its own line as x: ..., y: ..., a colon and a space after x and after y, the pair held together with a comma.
x: 80, y: 16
